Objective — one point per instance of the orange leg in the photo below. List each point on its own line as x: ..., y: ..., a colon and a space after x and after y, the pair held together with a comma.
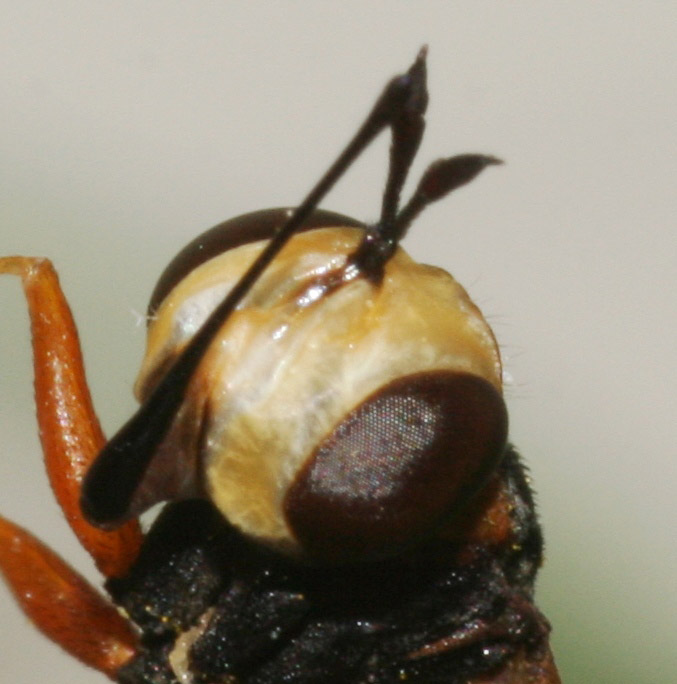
x: 62, y: 604
x: 69, y: 429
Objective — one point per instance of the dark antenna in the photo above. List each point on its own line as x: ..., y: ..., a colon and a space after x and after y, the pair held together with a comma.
x: 440, y: 178
x: 407, y: 128
x: 113, y: 478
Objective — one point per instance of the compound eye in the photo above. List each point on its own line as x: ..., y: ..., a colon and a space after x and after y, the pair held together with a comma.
x: 399, y: 465
x: 241, y: 230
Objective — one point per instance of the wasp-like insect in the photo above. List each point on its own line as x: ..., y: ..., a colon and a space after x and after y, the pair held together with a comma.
x: 326, y: 417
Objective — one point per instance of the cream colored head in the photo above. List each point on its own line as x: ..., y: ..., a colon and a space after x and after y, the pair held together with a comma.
x: 294, y: 361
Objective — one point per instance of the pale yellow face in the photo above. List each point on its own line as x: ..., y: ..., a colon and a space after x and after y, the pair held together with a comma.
x: 287, y: 367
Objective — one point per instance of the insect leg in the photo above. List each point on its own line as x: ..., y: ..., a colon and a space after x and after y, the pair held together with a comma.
x: 62, y: 604
x: 69, y: 429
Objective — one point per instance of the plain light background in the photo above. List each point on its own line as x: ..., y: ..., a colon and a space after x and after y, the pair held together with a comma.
x: 128, y: 127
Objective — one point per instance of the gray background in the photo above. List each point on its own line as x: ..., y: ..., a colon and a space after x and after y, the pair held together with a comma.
x: 128, y: 127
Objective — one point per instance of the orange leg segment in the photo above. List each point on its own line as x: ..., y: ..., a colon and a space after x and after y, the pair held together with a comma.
x: 69, y: 428
x: 62, y: 604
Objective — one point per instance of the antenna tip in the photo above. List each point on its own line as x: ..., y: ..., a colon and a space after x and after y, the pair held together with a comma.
x: 489, y: 160
x: 446, y: 175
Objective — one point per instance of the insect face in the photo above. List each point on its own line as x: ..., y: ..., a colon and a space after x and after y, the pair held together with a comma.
x: 333, y: 398
x: 338, y: 421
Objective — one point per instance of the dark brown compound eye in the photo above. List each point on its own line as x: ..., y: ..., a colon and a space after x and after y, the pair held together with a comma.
x: 399, y: 465
x: 241, y: 230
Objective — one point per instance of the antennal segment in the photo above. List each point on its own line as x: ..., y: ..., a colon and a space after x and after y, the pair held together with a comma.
x: 440, y: 179
x: 407, y: 131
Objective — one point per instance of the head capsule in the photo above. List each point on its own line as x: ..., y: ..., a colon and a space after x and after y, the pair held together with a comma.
x: 334, y: 399
x: 341, y: 426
